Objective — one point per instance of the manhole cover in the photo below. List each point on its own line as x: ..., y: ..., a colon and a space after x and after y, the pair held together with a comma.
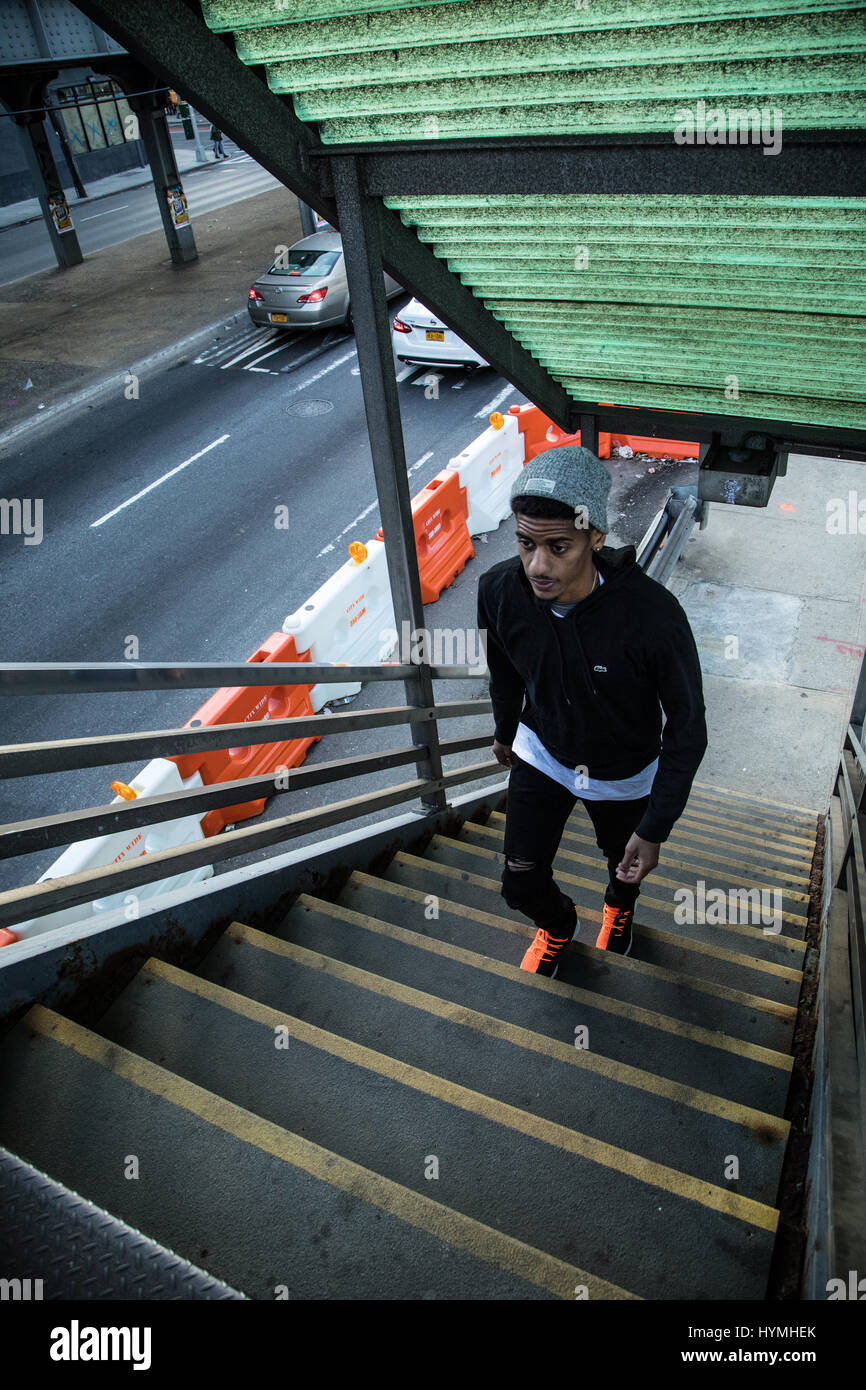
x: 310, y: 407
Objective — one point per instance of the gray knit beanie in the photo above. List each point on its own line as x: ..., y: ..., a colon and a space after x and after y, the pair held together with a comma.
x: 569, y: 474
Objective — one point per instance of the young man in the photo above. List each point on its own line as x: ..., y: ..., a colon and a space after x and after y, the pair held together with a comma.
x: 582, y: 649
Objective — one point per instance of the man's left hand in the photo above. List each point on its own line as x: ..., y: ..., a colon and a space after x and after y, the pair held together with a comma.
x: 640, y: 858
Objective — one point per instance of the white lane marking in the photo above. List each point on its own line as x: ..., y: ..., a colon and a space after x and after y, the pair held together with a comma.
x: 347, y: 357
x: 267, y: 371
x: 407, y: 371
x: 491, y: 405
x: 145, y: 490
x: 420, y: 462
x: 458, y: 385
x: 249, y: 351
x: 110, y: 212
x: 428, y: 379
x: 367, y: 510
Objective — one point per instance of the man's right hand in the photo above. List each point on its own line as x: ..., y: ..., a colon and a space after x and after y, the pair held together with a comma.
x: 502, y: 753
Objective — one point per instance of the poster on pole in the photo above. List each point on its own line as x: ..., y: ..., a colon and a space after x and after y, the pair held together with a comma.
x: 177, y: 205
x: 59, y: 210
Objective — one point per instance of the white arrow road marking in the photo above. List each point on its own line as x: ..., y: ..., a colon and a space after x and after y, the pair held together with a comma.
x: 145, y: 490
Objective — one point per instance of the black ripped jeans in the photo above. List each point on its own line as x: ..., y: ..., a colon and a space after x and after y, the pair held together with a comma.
x: 537, y: 811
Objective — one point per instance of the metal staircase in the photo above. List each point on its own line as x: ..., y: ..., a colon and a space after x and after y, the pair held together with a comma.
x: 371, y: 1100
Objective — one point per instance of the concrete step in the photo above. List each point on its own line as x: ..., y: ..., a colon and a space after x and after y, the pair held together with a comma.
x: 617, y: 1104
x: 530, y: 1177
x: 621, y: 977
x: 254, y: 1203
x: 696, y: 856
x: 672, y: 873
x: 711, y: 1062
x: 741, y: 803
x: 666, y: 948
x: 752, y: 942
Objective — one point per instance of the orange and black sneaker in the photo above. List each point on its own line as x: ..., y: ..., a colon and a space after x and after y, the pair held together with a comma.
x: 615, y: 934
x: 545, y: 953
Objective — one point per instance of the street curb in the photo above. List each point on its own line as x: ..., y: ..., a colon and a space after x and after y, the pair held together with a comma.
x: 91, y: 395
x: 97, y: 197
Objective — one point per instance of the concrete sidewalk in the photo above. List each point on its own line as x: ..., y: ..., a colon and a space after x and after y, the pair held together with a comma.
x: 69, y: 336
x: 28, y: 210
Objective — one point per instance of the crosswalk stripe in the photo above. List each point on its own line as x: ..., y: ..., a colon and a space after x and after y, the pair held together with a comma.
x: 219, y: 350
x: 248, y: 351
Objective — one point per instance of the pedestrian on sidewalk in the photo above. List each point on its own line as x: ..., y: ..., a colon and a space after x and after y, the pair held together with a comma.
x: 584, y: 652
x: 217, y: 137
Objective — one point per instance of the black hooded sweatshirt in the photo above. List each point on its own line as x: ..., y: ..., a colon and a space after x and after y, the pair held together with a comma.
x: 595, y: 682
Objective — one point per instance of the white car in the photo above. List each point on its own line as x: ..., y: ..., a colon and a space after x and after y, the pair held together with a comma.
x: 418, y: 336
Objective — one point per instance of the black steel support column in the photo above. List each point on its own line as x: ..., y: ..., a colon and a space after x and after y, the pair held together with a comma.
x: 49, y: 191
x: 154, y: 131
x: 589, y: 432
x: 359, y: 228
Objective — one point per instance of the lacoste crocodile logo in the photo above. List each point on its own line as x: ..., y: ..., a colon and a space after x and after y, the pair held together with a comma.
x: 600, y: 668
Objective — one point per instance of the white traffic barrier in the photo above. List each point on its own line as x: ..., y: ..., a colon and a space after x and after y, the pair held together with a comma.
x: 347, y: 620
x: 487, y: 468
x: 158, y: 778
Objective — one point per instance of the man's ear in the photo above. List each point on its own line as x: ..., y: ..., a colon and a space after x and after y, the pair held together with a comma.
x: 597, y: 539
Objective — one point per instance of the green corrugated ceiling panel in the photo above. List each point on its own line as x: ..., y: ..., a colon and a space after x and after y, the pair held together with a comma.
x: 625, y: 92
x: 666, y: 302
x: 679, y: 295
x: 546, y: 67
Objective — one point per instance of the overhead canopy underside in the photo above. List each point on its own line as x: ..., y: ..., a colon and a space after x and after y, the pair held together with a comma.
x: 520, y: 134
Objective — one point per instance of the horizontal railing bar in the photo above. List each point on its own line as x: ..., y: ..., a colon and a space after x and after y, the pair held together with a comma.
x: 47, y: 832
x: 98, y: 677
x: 19, y: 904
x: 65, y: 755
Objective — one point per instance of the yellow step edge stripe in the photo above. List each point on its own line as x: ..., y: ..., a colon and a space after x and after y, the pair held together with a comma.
x: 693, y: 838
x: 711, y: 789
x: 601, y: 1003
x: 752, y: 817
x: 758, y: 834
x: 682, y: 943
x: 767, y: 1125
x: 782, y: 852
x: 785, y: 1012
x: 699, y: 852
x: 414, y: 1208
x: 792, y: 943
x: 707, y: 829
x: 510, y: 1117
x: 595, y: 861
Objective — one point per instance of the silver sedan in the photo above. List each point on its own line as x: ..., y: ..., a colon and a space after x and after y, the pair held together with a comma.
x: 306, y: 286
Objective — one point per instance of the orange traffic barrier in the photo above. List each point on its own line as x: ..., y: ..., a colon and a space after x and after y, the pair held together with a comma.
x: 540, y: 433
x: 239, y: 704
x: 440, y: 514
x: 7, y: 938
x: 659, y: 448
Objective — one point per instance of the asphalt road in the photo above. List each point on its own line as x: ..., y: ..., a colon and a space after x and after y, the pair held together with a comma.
x: 158, y: 524
x: 103, y: 222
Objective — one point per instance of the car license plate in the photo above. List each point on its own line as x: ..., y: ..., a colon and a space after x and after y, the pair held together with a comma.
x: 434, y: 336
x: 279, y: 318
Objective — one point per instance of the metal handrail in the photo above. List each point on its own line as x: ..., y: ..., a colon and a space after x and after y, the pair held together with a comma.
x: 29, y: 836
x: 76, y: 889
x: 66, y: 755
x: 47, y: 832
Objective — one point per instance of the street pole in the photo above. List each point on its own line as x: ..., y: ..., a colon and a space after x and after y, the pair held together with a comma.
x: 308, y: 221
x: 200, y: 151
